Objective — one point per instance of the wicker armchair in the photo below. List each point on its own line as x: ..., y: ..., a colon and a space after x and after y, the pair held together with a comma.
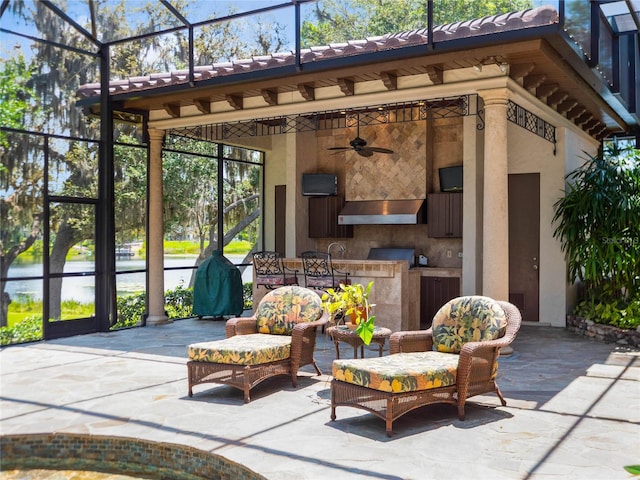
x: 278, y: 340
x: 453, y: 360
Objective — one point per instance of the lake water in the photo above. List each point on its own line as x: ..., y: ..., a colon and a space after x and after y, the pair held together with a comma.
x: 82, y: 289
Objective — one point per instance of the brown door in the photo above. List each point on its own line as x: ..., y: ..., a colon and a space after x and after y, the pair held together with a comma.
x: 281, y: 219
x: 524, y: 244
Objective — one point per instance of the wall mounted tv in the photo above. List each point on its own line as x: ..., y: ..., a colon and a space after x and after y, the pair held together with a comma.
x: 319, y: 184
x: 450, y: 179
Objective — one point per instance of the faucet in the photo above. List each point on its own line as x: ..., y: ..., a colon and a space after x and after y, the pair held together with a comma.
x: 336, y: 244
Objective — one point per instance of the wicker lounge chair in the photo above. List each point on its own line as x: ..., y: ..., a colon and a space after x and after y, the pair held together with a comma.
x: 278, y: 340
x: 453, y: 360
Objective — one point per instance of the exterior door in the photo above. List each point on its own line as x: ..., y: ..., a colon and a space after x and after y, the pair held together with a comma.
x: 524, y: 244
x: 281, y: 219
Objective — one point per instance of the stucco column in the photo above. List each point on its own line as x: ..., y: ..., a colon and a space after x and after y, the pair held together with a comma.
x: 155, y: 235
x: 495, y: 228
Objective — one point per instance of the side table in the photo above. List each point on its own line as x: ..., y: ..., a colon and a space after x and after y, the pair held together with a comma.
x: 340, y: 333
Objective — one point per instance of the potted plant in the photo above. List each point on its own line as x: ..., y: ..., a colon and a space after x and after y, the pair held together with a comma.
x: 351, y: 302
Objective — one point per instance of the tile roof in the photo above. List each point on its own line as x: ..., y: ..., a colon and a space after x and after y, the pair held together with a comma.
x: 529, y: 18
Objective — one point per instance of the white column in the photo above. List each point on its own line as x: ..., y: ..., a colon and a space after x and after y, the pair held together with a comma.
x: 495, y: 229
x: 155, y: 235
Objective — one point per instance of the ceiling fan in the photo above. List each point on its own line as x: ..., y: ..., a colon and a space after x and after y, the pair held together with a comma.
x: 359, y: 146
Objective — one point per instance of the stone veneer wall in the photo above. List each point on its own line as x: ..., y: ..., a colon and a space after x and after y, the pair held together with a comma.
x: 122, y: 455
x: 606, y: 333
x: 410, y: 172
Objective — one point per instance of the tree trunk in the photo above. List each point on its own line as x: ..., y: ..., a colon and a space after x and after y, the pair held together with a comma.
x: 5, y: 262
x: 66, y: 238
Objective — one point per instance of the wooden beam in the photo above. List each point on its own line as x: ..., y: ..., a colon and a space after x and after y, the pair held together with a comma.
x: 567, y: 105
x: 308, y: 92
x: 602, y: 134
x: 203, y: 104
x: 390, y: 80
x: 546, y: 89
x: 347, y: 86
x: 531, y: 82
x: 591, y: 125
x: 519, y: 71
x: 172, y: 109
x: 235, y: 101
x: 575, y: 112
x: 583, y: 119
x: 435, y: 74
x: 557, y: 98
x: 270, y: 96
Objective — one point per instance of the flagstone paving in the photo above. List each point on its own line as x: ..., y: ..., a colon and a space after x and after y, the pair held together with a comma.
x: 573, y: 409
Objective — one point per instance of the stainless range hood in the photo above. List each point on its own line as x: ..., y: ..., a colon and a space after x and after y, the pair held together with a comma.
x: 383, y: 212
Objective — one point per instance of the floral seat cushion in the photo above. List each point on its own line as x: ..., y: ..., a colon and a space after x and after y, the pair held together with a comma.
x: 467, y: 319
x: 280, y: 310
x: 400, y: 372
x: 277, y: 280
x: 253, y: 349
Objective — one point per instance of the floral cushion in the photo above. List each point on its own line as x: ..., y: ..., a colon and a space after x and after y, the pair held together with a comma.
x: 326, y: 282
x: 280, y: 309
x: 467, y: 319
x: 253, y: 349
x: 400, y: 372
x: 277, y: 280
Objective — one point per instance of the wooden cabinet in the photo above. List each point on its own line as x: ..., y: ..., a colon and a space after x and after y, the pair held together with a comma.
x: 444, y: 215
x: 435, y: 292
x: 323, y: 218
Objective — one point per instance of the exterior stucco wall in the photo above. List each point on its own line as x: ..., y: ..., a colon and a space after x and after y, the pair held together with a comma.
x: 576, y: 146
x: 529, y: 153
x: 290, y: 155
x: 274, y: 174
x: 473, y: 156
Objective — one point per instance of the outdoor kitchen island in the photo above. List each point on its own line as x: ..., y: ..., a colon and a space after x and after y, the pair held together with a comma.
x: 395, y: 291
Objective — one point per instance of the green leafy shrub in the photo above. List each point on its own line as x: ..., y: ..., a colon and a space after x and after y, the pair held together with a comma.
x: 598, y: 223
x: 28, y: 330
x: 178, y: 303
x: 130, y: 310
x: 247, y: 295
x: 618, y: 313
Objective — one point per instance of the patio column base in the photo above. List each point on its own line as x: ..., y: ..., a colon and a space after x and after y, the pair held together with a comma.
x: 153, y: 320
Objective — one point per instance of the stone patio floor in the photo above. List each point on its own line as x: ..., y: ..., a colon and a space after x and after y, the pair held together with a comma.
x: 573, y: 409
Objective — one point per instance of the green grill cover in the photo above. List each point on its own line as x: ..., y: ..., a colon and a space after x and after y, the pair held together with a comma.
x: 217, y: 289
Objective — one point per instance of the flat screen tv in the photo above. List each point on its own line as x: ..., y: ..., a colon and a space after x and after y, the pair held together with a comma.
x: 450, y: 179
x: 319, y: 184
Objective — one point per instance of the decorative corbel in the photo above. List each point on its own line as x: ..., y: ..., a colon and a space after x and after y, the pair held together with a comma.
x: 308, y: 92
x: 172, y: 109
x: 236, y: 101
x: 347, y: 86
x: 202, y: 104
x: 270, y: 96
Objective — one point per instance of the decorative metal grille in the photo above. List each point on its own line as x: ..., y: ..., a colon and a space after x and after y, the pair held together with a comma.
x: 435, y: 108
x: 531, y: 122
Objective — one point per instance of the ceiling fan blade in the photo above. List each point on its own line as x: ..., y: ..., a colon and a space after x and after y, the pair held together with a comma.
x: 339, y: 148
x: 364, y: 152
x: 379, y: 150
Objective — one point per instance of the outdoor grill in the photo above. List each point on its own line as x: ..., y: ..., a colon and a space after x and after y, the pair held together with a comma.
x: 407, y: 254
